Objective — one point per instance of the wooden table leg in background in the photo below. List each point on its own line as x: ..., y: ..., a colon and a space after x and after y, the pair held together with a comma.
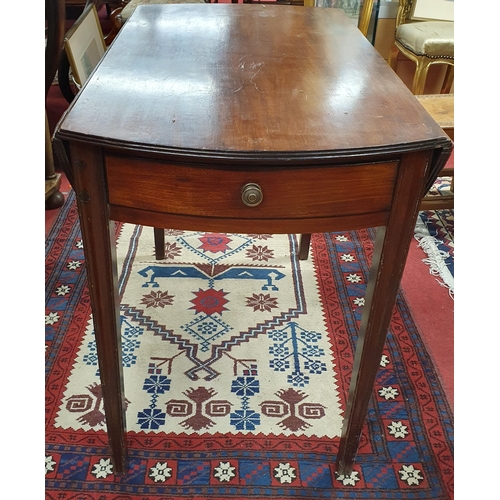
x: 53, y: 197
x: 99, y: 246
x: 54, y: 17
x: 159, y: 237
x: 304, y: 242
x: 389, y: 258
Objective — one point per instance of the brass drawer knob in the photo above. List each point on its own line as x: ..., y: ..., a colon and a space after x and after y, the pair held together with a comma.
x: 251, y: 194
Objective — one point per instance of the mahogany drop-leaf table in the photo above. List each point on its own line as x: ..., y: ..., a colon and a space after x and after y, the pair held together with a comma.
x: 250, y: 119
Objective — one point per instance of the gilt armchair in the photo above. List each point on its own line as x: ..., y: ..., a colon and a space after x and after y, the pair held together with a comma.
x: 425, y: 43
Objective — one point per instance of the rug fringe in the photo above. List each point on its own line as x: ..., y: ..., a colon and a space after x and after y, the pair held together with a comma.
x: 435, y: 257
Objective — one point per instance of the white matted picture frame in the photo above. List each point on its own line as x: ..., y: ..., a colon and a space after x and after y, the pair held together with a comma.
x: 84, y: 45
x: 433, y: 10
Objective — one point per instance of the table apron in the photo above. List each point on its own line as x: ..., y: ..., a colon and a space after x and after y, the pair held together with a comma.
x: 247, y: 226
x: 191, y: 196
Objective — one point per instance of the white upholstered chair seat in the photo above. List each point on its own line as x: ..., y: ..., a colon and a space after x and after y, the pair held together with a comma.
x: 425, y: 43
x: 431, y: 39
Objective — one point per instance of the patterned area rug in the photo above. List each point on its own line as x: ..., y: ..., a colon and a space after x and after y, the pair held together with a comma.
x: 435, y: 233
x: 240, y: 393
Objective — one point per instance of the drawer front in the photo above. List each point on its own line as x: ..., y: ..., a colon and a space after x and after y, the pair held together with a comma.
x: 274, y: 192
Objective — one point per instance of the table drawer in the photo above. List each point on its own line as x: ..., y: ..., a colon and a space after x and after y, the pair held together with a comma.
x: 286, y: 192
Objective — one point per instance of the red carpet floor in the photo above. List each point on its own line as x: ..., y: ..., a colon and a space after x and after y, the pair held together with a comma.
x: 415, y: 463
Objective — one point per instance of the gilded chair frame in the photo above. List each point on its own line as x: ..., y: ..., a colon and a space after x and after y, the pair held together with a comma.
x: 422, y: 62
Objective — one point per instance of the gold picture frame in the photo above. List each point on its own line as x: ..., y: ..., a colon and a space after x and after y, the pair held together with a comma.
x: 84, y: 45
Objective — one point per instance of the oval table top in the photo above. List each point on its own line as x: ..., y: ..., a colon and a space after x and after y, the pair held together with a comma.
x: 254, y: 80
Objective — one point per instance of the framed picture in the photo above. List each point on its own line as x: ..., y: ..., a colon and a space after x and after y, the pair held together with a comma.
x: 433, y: 10
x: 84, y: 45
